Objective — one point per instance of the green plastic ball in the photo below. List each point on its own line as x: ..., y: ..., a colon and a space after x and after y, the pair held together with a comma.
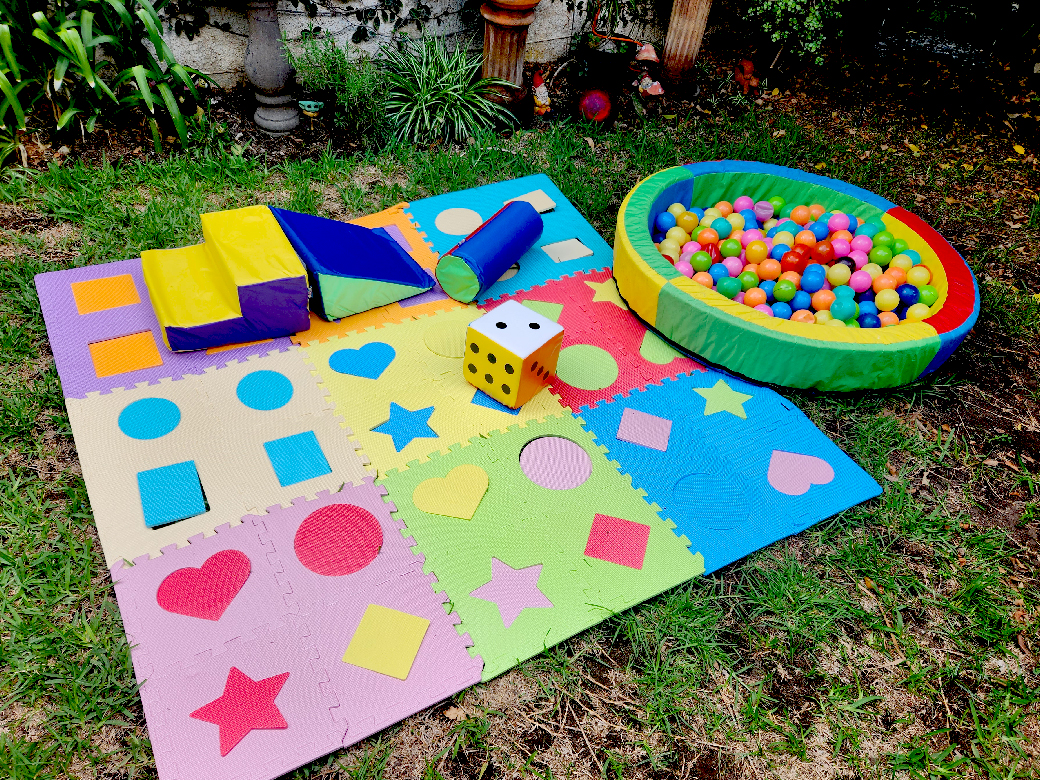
x: 881, y: 255
x: 899, y: 246
x: 929, y: 295
x: 728, y: 286
x: 784, y: 290
x: 748, y: 279
x: 778, y: 204
x: 884, y: 238
x: 701, y: 261
x: 730, y: 247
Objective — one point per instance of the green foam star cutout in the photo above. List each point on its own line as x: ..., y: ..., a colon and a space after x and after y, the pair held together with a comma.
x: 723, y: 398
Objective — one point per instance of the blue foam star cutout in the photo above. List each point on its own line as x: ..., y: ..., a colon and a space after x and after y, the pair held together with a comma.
x: 405, y: 425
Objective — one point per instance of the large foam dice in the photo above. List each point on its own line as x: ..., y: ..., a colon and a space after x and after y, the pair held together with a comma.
x: 511, y: 353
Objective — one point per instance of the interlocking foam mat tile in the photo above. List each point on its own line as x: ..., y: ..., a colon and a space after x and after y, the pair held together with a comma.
x: 233, y: 493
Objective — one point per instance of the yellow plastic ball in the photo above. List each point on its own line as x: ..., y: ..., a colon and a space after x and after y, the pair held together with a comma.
x: 918, y: 276
x: 916, y: 313
x: 902, y: 261
x: 707, y: 219
x: 713, y: 212
x: 823, y: 317
x: 670, y: 246
x: 756, y: 252
x: 784, y: 237
x: 874, y: 270
x: 687, y: 221
x: 886, y: 300
x: 676, y: 209
x: 835, y: 322
x: 736, y: 221
x: 838, y: 275
x: 677, y: 234
x: 769, y: 224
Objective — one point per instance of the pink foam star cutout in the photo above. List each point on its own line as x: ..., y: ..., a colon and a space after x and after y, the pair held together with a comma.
x: 513, y: 590
x: 246, y: 704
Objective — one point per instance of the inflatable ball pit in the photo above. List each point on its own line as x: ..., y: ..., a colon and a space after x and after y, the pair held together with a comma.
x: 771, y: 349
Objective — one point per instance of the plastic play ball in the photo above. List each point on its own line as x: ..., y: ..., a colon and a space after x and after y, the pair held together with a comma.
x: 728, y: 286
x: 917, y: 312
x: 841, y: 247
x: 684, y: 268
x: 860, y: 281
x: 888, y: 318
x: 838, y: 274
x: 733, y: 266
x: 781, y: 310
x: 756, y: 251
x: 918, y: 276
x: 869, y: 321
x: 899, y: 246
x: 801, y: 215
x: 769, y: 269
x: 816, y: 210
x: 913, y: 255
x: 835, y: 322
x: 777, y: 203
x: 886, y: 299
x: 868, y: 229
x: 763, y: 210
x: 739, y: 297
x: 902, y: 261
x: 804, y: 315
x: 838, y: 222
x: 704, y: 278
x: 701, y: 261
x: 867, y: 307
x: 843, y: 308
x: 881, y: 255
x: 805, y: 237
x: 708, y: 236
x: 687, y: 221
x: 743, y: 202
x: 724, y: 207
x: 678, y: 235
x: 801, y: 300
x: 595, y: 105
x: 873, y: 269
x: 822, y: 300
x: 884, y: 282
x: 749, y: 279
x: 764, y: 308
x: 862, y: 243
x: 784, y: 290
x: 718, y: 271
x: 812, y: 282
x: 823, y: 252
x: 736, y: 221
x: 670, y: 247
x: 756, y: 296
x: 767, y: 287
x: 844, y: 291
x: 898, y: 274
x: 722, y: 226
x: 730, y: 247
x: 665, y: 221
x: 713, y: 252
x: 884, y: 238
x: 818, y: 229
x: 822, y: 317
x: 929, y: 295
x: 908, y: 294
x: 859, y: 259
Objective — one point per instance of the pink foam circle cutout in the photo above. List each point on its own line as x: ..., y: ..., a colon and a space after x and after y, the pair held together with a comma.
x: 555, y: 463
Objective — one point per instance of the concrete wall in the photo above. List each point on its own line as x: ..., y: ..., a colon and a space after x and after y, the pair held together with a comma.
x: 220, y: 54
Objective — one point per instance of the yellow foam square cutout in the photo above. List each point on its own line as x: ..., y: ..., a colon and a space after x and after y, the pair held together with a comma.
x: 108, y: 293
x: 125, y: 353
x: 386, y: 641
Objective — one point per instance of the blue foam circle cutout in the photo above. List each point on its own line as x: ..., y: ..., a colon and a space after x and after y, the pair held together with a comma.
x: 264, y: 390
x: 149, y: 418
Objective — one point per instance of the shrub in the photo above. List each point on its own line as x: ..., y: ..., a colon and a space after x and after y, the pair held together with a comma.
x: 356, y: 88
x: 437, y: 92
x: 798, y: 25
x: 87, y: 57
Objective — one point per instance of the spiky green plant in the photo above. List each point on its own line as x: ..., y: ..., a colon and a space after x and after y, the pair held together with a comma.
x: 436, y: 92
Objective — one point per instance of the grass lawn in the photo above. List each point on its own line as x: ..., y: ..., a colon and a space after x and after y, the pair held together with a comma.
x: 897, y: 638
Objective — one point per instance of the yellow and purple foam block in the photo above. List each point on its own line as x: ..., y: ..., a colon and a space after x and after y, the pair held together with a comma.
x: 480, y: 259
x: 244, y: 283
x: 771, y: 349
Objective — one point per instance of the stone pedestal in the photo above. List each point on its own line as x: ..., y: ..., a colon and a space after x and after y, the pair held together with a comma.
x: 685, y: 33
x: 505, y: 39
x: 269, y: 71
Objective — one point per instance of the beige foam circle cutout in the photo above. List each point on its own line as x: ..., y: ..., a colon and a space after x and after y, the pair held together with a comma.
x: 447, y: 339
x: 458, y: 222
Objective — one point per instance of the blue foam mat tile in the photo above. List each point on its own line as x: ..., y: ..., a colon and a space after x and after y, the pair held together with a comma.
x: 562, y: 223
x: 712, y: 481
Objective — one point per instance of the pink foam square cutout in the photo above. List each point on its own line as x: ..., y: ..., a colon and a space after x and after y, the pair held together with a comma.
x: 619, y: 541
x: 648, y: 430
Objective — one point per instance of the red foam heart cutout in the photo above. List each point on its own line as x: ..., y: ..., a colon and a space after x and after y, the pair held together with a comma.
x: 207, y: 591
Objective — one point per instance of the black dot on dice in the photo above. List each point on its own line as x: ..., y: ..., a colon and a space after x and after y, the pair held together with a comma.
x: 534, y: 325
x: 489, y: 379
x: 509, y: 369
x: 472, y: 368
x: 475, y: 348
x: 534, y: 365
x: 500, y: 325
x: 539, y: 372
x: 491, y: 358
x: 505, y: 389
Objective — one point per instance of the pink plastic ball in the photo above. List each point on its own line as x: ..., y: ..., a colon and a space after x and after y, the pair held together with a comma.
x: 769, y: 243
x: 763, y: 210
x: 826, y: 285
x: 860, y: 281
x: 862, y: 243
x: 859, y: 257
x: 756, y: 235
x: 691, y: 247
x: 840, y: 246
x: 733, y: 265
x: 685, y: 257
x: 764, y: 308
x: 838, y: 222
x: 739, y: 297
x: 743, y: 202
x: 683, y: 267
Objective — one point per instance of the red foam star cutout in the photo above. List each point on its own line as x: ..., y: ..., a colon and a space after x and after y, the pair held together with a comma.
x: 246, y: 704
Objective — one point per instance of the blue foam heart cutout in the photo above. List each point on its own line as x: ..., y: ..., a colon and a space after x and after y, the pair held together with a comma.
x: 369, y: 361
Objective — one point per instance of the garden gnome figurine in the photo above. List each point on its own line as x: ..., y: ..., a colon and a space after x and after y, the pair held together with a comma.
x: 541, y: 95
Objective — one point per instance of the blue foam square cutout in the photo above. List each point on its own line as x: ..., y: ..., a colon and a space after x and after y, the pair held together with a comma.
x: 171, y: 493
x: 297, y: 458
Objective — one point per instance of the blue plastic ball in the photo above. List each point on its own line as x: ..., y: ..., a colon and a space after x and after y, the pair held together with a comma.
x: 801, y: 300
x: 750, y: 220
x: 843, y: 308
x: 778, y: 251
x: 664, y: 222
x: 867, y: 320
x: 852, y: 221
x: 718, y: 271
x: 914, y: 255
x: 868, y: 307
x: 866, y: 295
x: 900, y: 311
x: 698, y: 211
x: 722, y: 226
x: 781, y: 310
x: 767, y: 287
x: 868, y: 229
x: 908, y: 294
x: 844, y: 291
x: 819, y: 229
x: 813, y: 282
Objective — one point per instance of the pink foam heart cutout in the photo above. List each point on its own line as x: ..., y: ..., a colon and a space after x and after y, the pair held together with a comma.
x: 793, y: 474
x: 208, y: 591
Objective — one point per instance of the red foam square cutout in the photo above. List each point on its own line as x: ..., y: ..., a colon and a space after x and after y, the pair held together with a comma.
x: 619, y: 541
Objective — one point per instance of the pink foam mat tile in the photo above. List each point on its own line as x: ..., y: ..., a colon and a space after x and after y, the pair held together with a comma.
x: 70, y: 333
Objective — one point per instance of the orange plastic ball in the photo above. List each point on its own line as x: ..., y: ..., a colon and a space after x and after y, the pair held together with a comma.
x: 736, y: 233
x: 703, y: 277
x: 769, y: 269
x: 822, y: 300
x: 687, y: 221
x: 806, y: 238
x: 884, y: 282
x: 725, y: 207
x: 888, y: 318
x: 801, y: 215
x: 753, y: 268
x: 756, y: 251
x: 802, y: 315
x: 816, y: 211
x: 793, y: 276
x: 842, y: 234
x: 756, y: 296
x: 898, y: 274
x: 707, y: 236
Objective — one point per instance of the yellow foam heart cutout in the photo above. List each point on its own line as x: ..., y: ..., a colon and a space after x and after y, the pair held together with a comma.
x: 456, y: 495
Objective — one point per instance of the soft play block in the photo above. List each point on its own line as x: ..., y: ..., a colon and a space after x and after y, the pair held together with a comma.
x: 244, y: 283
x: 351, y: 268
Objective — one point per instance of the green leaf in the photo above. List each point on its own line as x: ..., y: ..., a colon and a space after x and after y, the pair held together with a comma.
x: 60, y: 67
x: 66, y: 116
x: 175, y: 112
x: 5, y: 46
x: 122, y: 13
x: 182, y: 75
x: 141, y: 77
x: 11, y: 94
x: 70, y: 37
x: 154, y: 27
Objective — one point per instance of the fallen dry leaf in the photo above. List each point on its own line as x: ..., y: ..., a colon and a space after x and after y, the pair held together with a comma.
x: 455, y: 713
x: 1019, y: 148
x: 590, y: 142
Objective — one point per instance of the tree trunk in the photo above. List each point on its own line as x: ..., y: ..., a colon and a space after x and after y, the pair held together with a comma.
x: 685, y: 32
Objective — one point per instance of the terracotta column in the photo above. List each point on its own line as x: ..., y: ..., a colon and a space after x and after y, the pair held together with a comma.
x: 685, y: 32
x: 505, y: 38
x: 268, y: 70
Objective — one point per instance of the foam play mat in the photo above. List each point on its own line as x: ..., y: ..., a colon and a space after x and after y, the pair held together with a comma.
x: 340, y: 530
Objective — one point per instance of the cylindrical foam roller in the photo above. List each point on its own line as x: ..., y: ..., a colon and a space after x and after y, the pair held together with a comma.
x: 484, y: 255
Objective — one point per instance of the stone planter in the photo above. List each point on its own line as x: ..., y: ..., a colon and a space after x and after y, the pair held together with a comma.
x: 505, y: 39
x: 269, y: 71
x: 685, y: 33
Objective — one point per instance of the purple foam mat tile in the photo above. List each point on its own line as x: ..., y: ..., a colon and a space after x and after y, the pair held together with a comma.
x: 197, y: 586
x: 188, y: 748
x: 70, y: 333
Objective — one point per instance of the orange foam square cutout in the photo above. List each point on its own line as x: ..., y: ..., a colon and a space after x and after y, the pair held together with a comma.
x: 108, y: 293
x: 126, y: 353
